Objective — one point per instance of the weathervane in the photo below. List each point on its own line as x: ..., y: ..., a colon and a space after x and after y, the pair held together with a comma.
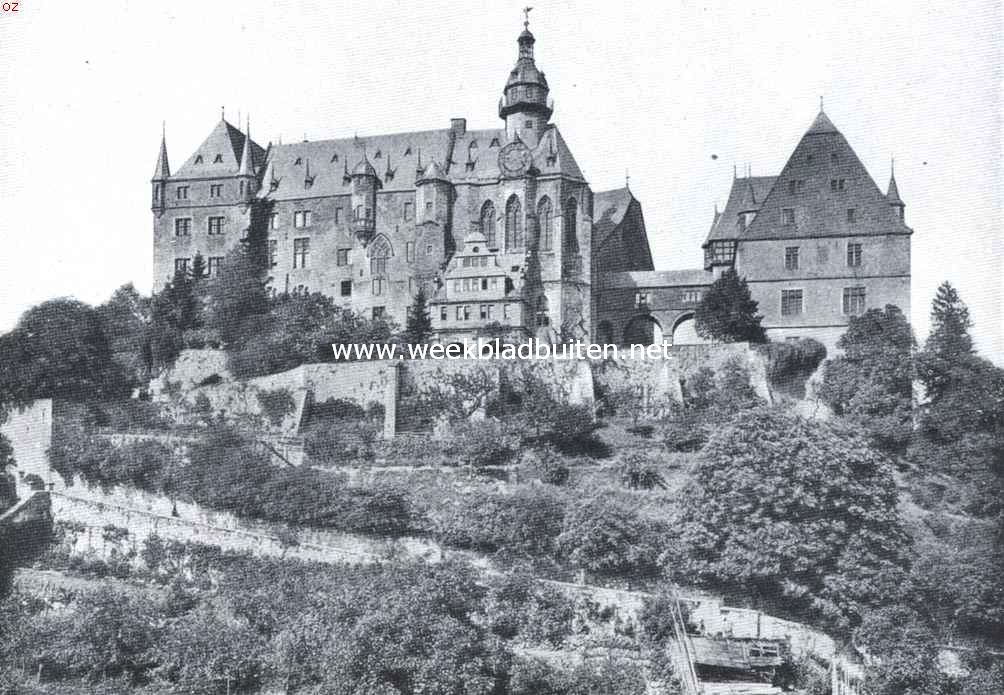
x: 526, y: 17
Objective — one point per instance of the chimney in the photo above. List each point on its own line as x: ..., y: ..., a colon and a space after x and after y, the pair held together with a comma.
x: 458, y: 126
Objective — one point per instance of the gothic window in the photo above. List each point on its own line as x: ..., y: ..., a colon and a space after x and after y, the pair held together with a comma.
x: 488, y: 222
x: 544, y: 219
x: 571, y: 239
x: 513, y: 224
x: 380, y: 251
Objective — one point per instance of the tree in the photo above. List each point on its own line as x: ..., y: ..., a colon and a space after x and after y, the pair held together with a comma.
x: 174, y: 310
x: 904, y: 651
x: 238, y: 296
x: 8, y: 486
x: 728, y: 313
x: 418, y: 328
x: 871, y: 384
x: 605, y: 535
x: 198, y: 270
x: 797, y: 508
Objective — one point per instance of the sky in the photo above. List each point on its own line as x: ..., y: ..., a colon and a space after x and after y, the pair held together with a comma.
x: 672, y: 93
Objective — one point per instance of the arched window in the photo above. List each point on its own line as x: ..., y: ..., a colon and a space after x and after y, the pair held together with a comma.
x: 380, y: 250
x: 545, y: 214
x: 488, y: 222
x: 513, y: 224
x: 571, y: 237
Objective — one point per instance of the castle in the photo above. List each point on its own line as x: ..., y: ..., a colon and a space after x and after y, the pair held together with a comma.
x: 499, y: 227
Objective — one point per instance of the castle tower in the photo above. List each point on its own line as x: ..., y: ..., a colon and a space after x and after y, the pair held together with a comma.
x: 525, y: 106
x: 161, y: 173
x: 433, y: 196
x: 893, y: 195
x: 365, y: 185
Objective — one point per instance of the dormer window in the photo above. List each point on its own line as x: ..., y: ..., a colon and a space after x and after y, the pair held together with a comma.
x: 407, y: 151
x: 334, y: 158
x: 837, y: 184
x: 273, y: 185
x: 495, y: 143
x: 298, y: 162
x: 378, y: 155
x: 308, y: 182
x: 788, y: 217
x: 218, y: 159
x: 469, y: 165
x: 198, y: 159
x: 795, y: 186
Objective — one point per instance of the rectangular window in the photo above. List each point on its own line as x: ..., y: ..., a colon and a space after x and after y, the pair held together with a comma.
x: 854, y: 301
x: 181, y: 265
x: 495, y: 283
x: 215, y: 263
x: 215, y: 190
x: 791, y: 258
x: 791, y: 302
x: 377, y: 287
x: 338, y: 215
x: 837, y: 184
x: 346, y: 288
x: 467, y: 312
x: 183, y: 226
x: 301, y: 253
x: 409, y: 211
x: 378, y: 312
x: 466, y: 283
x: 852, y: 215
x: 491, y: 311
x: 456, y: 286
x: 788, y: 216
x: 692, y: 296
x: 378, y: 265
x: 273, y: 252
x: 182, y: 192
x: 854, y: 255
x: 409, y: 251
x: 301, y: 219
x: 483, y: 311
x: 484, y: 283
x: 442, y: 313
x: 273, y: 220
x: 460, y: 313
x: 216, y: 225
x: 342, y: 257
x: 641, y: 299
x: 795, y: 186
x: 505, y: 311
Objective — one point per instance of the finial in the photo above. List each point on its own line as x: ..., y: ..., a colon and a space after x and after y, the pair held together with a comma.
x: 163, y: 130
x: 892, y: 167
x: 223, y: 113
x: 820, y: 103
x: 716, y: 208
x: 627, y: 179
x: 735, y: 171
x: 526, y: 17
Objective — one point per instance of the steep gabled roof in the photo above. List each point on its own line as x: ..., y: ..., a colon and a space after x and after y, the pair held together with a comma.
x: 821, y: 181
x: 747, y: 195
x: 162, y: 170
x: 609, y: 208
x: 475, y: 155
x: 220, y: 154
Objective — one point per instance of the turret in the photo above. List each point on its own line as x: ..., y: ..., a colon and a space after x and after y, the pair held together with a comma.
x: 893, y: 195
x: 161, y: 174
x: 525, y: 105
x: 248, y: 182
x: 365, y: 185
x: 433, y: 195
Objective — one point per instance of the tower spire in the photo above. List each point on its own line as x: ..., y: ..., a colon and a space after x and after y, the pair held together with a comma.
x: 162, y: 170
x: 247, y: 165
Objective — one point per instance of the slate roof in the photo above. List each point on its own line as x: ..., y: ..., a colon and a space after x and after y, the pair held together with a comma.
x: 162, y: 170
x: 892, y: 195
x: 220, y: 154
x: 475, y: 156
x: 747, y: 195
x: 609, y: 208
x: 822, y: 156
x: 655, y: 278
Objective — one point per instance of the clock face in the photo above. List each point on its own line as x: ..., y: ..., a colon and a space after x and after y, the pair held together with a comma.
x: 515, y: 159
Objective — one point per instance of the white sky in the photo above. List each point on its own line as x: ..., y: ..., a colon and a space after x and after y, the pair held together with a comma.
x: 656, y: 88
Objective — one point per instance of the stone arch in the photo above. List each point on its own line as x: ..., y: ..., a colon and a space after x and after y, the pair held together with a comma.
x: 685, y: 331
x: 643, y: 329
x: 487, y: 220
x: 513, y: 224
x: 545, y: 220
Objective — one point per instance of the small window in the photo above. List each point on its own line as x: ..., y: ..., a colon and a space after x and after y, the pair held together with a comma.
x: 198, y: 159
x: 377, y: 287
x: 467, y: 312
x: 528, y: 124
x: 218, y: 159
x: 853, y: 255
x: 338, y: 215
x: 215, y: 263
x: 215, y: 190
x: 795, y: 186
x: 428, y: 206
x: 483, y: 311
x: 216, y: 225
x: 791, y: 302
x: 334, y: 158
x: 181, y: 265
x: 837, y: 184
x: 834, y: 157
x: 342, y: 257
x: 378, y: 312
x: 298, y: 162
x: 346, y: 288
x: 495, y: 143
x: 183, y: 226
x: 852, y: 216
x: 791, y: 258
x: 409, y: 251
x: 301, y: 253
x: 442, y: 313
x: 407, y: 151
x: 378, y: 155
x: 301, y: 219
x: 460, y: 313
x: 409, y: 211
x: 641, y: 300
x: 181, y: 192
x: 273, y: 220
x: 505, y: 310
x: 854, y: 301
x: 273, y: 252
x: 484, y: 283
x: 788, y: 217
x: 428, y: 249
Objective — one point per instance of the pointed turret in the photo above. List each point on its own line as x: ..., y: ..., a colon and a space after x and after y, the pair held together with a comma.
x: 365, y: 184
x: 525, y: 106
x: 162, y: 171
x: 892, y: 195
x: 247, y: 158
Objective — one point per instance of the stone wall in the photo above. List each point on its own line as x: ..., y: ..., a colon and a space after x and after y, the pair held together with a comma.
x: 29, y: 431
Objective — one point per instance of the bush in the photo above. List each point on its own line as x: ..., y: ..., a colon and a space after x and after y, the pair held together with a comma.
x: 276, y: 404
x: 524, y: 523
x: 792, y: 358
x: 340, y: 442
x: 480, y: 443
x: 639, y: 471
x: 605, y: 535
x: 547, y: 464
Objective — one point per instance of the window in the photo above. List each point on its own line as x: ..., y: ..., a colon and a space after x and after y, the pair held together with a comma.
x: 544, y: 218
x: 215, y: 190
x: 467, y: 312
x: 791, y: 302
x: 428, y: 206
x: 346, y: 288
x: 466, y: 283
x: 791, y: 258
x: 301, y: 219
x: 571, y: 238
x: 834, y: 158
x: 484, y: 283
x: 720, y: 252
x: 273, y: 220
x: 181, y: 265
x: 338, y: 215
x: 442, y: 313
x: 513, y: 224
x: 641, y: 300
x: 854, y: 301
x: 483, y: 311
x: 216, y: 225
x: 460, y: 313
x: 342, y: 257
x: 837, y: 184
x: 488, y: 222
x: 273, y: 252
x: 428, y: 249
x: 182, y: 192
x: 377, y: 287
x: 215, y: 263
x: 218, y: 159
x: 456, y: 285
x: 854, y: 255
x: 692, y: 296
x: 378, y: 312
x: 183, y: 226
x: 543, y: 319
x: 788, y: 216
x: 378, y: 265
x: 380, y: 251
x: 852, y: 215
x: 409, y: 251
x: 409, y: 212
x: 795, y: 186
x: 301, y: 253
x: 198, y: 159
x: 529, y: 124
x: 505, y: 311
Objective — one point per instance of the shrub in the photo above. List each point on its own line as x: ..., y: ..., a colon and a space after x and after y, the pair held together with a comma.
x: 792, y: 358
x: 276, y: 404
x: 340, y: 442
x: 524, y: 523
x: 480, y: 443
x: 547, y: 464
x: 605, y: 535
x: 639, y: 472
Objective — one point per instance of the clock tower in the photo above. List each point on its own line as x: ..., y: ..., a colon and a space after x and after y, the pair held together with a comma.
x: 525, y: 106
